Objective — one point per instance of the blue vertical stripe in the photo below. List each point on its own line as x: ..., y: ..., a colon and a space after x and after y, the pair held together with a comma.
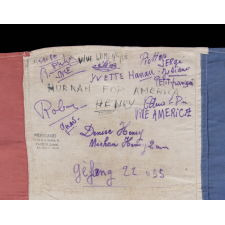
x: 213, y: 124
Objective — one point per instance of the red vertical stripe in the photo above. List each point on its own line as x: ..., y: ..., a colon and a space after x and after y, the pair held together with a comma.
x: 13, y: 155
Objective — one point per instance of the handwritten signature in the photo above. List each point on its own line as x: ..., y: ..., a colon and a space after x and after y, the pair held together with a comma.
x: 68, y: 127
x: 45, y: 110
x: 61, y: 69
x: 105, y: 66
x: 87, y: 173
x: 82, y: 172
x: 130, y: 138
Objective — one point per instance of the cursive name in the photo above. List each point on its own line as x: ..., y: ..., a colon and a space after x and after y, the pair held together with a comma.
x: 105, y: 66
x: 89, y: 172
x: 90, y: 131
x: 151, y: 102
x: 45, y: 109
x: 124, y: 131
x: 68, y: 127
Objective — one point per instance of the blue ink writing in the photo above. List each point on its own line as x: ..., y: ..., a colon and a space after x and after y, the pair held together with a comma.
x: 90, y: 131
x: 70, y: 126
x: 88, y: 173
x: 105, y: 66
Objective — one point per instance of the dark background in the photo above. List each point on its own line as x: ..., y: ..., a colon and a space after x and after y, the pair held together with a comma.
x: 16, y: 38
